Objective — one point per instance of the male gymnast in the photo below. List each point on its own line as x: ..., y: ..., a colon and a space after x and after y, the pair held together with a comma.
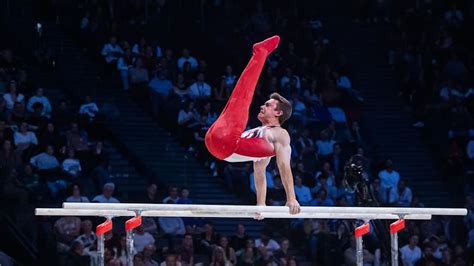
x: 225, y: 139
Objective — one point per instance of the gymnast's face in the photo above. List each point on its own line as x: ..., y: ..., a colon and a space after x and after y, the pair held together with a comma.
x: 268, y: 112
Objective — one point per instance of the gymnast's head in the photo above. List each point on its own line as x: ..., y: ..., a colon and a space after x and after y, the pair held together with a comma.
x: 275, y: 111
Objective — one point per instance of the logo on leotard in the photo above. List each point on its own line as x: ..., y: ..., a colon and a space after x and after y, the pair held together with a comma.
x: 253, y: 133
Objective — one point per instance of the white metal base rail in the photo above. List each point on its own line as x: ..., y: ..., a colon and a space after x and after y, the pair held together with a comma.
x: 137, y: 211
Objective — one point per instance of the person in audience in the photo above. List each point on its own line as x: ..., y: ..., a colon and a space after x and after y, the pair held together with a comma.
x: 111, y: 53
x: 88, y: 237
x: 303, y: 193
x: 89, y: 108
x: 186, y: 251
x: 209, y: 239
x: 228, y: 250
x: 76, y: 195
x: 266, y: 244
x: 124, y: 64
x: 388, y: 177
x: 25, y: 139
x: 200, y: 89
x: 67, y: 229
x: 219, y: 257
x: 249, y: 255
x: 410, y: 253
x: 184, y: 197
x: 171, y: 260
x: 350, y: 256
x: 239, y: 239
x: 172, y: 226
x: 141, y: 239
x: 282, y: 253
x: 186, y: 58
x: 71, y: 165
x: 173, y: 195
x: 106, y: 196
x: 402, y: 196
x: 40, y: 98
x: 77, y: 139
x: 148, y: 255
x: 9, y: 158
x: 76, y: 256
x: 325, y: 144
x: 36, y: 120
x: 151, y: 195
x: 13, y: 96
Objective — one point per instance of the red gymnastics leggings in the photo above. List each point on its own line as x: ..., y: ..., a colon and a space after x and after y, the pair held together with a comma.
x: 223, y: 138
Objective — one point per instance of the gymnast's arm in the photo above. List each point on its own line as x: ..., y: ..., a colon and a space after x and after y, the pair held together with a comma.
x: 283, y: 158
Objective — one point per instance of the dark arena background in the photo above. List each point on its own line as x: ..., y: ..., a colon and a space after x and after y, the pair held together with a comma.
x: 109, y: 101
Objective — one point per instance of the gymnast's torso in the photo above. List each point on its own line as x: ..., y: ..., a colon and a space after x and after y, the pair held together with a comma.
x: 254, y: 144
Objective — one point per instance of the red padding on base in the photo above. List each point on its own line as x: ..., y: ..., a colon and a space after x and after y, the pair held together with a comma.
x: 133, y: 223
x: 362, y: 230
x: 397, y: 226
x: 104, y: 227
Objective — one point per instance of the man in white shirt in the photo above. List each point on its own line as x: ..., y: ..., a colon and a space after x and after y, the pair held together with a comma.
x: 45, y: 160
x: 172, y: 226
x: 411, y: 253
x: 187, y: 58
x: 112, y: 51
x: 303, y: 193
x: 142, y: 239
x: 325, y: 145
x: 388, y: 177
x: 89, y: 107
x: 402, y: 196
x: 267, y: 243
x: 40, y: 98
x: 200, y: 89
x: 106, y: 196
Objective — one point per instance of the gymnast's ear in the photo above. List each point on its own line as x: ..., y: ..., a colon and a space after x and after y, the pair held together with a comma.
x: 279, y: 113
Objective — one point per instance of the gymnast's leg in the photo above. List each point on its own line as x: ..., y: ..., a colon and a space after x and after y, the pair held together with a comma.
x: 223, y: 136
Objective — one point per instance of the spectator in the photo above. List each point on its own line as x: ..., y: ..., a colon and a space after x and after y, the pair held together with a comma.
x: 172, y: 226
x: 17, y: 116
x: 77, y: 139
x: 106, y: 196
x: 276, y: 195
x: 111, y: 53
x: 350, y: 257
x: 98, y: 165
x: 76, y: 256
x: 67, y: 230
x: 88, y: 237
x: 141, y: 239
x: 266, y: 244
x: 377, y: 191
x: 151, y: 194
x: 282, y: 253
x: 171, y: 260
x: 89, y: 108
x: 45, y: 160
x: 303, y: 193
x: 209, y: 238
x: 184, y: 198
x: 36, y: 120
x: 124, y: 64
x: 71, y: 165
x: 148, y: 254
x: 228, y: 81
x: 325, y: 145
x: 9, y: 159
x: 186, y: 57
x: 25, y: 139
x: 172, y: 195
x: 40, y: 98
x: 239, y: 239
x: 322, y: 199
x: 402, y: 196
x: 219, y: 258
x: 249, y: 255
x: 76, y: 195
x: 139, y: 75
x: 388, y: 177
x: 410, y: 253
x: 186, y: 251
x: 200, y: 89
x: 228, y: 250
x: 12, y: 96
